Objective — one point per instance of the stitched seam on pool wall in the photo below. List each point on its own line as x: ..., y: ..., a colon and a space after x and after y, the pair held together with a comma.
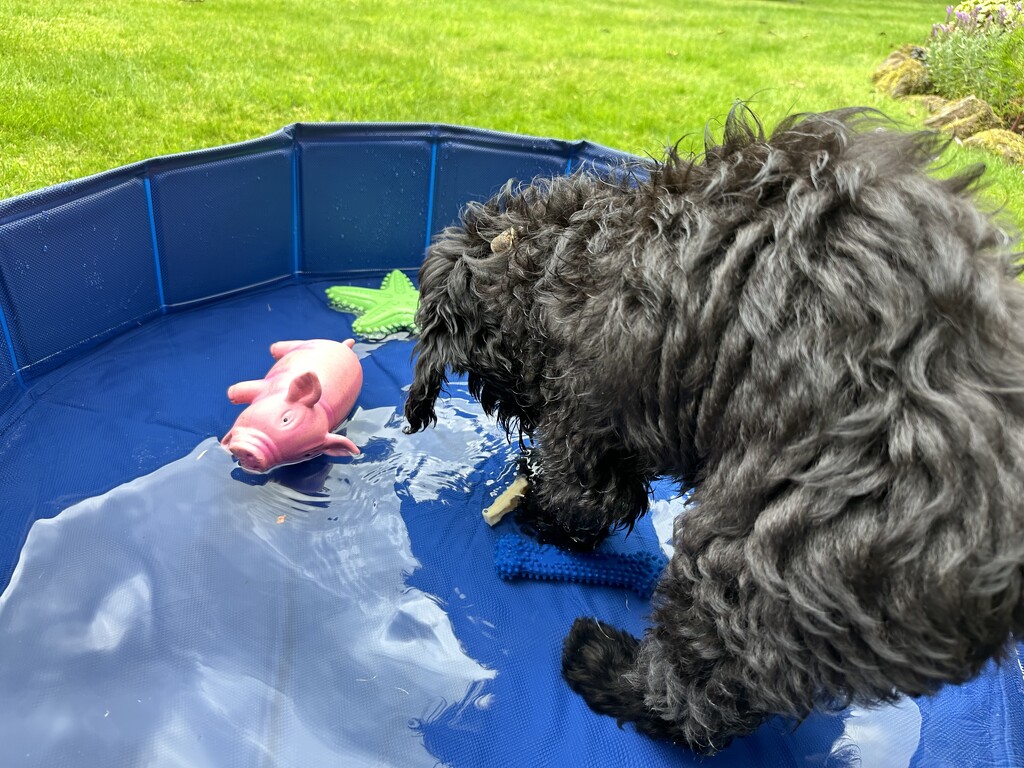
x: 156, y: 249
x: 10, y: 348
x: 296, y: 220
x: 431, y: 191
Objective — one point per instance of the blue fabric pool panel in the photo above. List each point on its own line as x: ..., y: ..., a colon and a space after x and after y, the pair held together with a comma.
x: 224, y: 225
x: 364, y: 196
x: 473, y: 165
x: 594, y: 158
x: 75, y: 274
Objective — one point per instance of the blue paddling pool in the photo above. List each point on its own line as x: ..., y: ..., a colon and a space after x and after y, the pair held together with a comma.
x: 161, y: 607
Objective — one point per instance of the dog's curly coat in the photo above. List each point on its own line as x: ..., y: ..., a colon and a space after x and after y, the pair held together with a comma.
x: 821, y: 339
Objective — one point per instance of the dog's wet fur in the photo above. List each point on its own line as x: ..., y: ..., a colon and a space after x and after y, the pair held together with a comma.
x: 818, y: 336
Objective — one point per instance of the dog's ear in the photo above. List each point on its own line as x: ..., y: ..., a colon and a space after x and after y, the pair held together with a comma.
x: 435, y: 353
x: 446, y: 319
x: 428, y: 380
x: 457, y: 285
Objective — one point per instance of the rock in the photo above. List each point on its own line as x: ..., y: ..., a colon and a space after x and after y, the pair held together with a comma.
x: 1006, y: 144
x: 964, y: 118
x: 898, y: 56
x: 902, y: 73
x: 928, y: 101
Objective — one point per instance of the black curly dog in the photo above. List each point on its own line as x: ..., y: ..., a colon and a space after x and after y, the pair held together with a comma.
x: 819, y: 337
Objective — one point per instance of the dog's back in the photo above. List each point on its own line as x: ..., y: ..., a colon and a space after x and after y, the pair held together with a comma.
x: 851, y: 377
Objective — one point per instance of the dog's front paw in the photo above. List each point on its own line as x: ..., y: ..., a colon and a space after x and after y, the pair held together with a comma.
x: 542, y: 524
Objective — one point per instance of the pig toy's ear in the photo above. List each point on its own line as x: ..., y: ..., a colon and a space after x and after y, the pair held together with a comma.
x: 339, y: 445
x: 305, y: 390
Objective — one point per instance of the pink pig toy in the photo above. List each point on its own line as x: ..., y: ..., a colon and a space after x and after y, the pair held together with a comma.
x: 296, y: 407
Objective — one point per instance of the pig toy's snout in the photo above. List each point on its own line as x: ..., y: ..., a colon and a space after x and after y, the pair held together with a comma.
x: 249, y: 459
x: 252, y: 450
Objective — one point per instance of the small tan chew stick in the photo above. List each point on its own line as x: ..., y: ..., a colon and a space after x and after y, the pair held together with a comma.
x: 506, y: 502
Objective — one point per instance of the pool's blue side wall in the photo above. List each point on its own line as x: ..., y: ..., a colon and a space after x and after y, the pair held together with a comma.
x: 84, y: 261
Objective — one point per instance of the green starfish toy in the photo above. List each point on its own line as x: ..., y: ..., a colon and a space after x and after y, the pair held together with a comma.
x: 382, y: 311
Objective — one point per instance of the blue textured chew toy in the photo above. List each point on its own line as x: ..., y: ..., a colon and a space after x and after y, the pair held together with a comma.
x: 517, y: 557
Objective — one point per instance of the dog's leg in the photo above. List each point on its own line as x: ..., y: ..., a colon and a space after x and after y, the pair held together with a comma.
x: 580, y: 489
x: 596, y: 662
x: 682, y: 682
x: 608, y: 668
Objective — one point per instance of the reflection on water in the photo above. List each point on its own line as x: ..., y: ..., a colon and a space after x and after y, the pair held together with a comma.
x: 886, y: 737
x: 202, y: 617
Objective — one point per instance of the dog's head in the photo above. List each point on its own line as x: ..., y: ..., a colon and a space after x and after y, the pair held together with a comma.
x: 461, y: 308
x: 477, y: 290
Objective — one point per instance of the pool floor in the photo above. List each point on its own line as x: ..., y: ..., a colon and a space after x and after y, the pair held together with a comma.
x: 170, y: 610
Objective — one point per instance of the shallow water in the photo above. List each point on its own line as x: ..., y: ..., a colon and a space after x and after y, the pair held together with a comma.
x: 200, y: 616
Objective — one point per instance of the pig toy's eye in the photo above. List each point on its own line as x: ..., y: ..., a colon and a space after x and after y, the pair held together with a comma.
x: 286, y: 418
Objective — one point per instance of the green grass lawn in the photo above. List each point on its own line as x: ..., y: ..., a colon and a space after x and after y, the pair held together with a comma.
x: 86, y: 86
